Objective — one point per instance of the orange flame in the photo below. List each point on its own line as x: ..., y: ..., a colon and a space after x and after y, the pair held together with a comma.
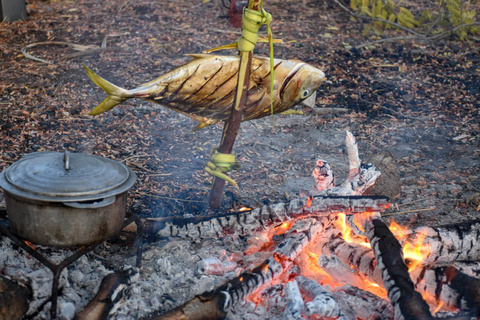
x: 415, y: 251
x: 398, y: 231
x: 347, y: 232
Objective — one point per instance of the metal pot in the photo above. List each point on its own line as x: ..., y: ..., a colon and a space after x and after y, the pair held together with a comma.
x: 66, y: 200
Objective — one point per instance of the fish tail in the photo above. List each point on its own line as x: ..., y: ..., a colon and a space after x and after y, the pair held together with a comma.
x: 116, y: 94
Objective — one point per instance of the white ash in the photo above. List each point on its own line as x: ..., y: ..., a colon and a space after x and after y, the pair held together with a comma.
x: 295, y: 304
x: 78, y: 282
x: 337, y: 269
x: 323, y: 304
x: 356, y: 303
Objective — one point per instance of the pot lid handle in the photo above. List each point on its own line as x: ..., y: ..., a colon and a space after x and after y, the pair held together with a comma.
x: 66, y: 159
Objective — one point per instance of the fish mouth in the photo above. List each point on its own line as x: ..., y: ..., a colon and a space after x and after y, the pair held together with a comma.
x: 289, y: 78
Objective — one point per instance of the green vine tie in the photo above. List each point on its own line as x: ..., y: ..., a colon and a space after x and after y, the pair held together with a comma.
x: 220, y: 163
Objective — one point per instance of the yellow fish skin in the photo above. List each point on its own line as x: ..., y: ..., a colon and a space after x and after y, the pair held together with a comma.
x: 204, y: 88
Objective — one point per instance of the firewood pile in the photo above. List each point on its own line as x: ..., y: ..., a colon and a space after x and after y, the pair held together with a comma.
x: 329, y: 255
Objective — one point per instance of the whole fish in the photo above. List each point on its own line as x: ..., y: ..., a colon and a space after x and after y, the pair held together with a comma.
x: 204, y: 88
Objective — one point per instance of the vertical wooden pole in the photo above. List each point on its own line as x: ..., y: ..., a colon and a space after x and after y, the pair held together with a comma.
x: 231, y: 128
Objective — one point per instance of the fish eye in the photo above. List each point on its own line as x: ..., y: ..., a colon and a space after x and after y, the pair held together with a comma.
x: 305, y: 93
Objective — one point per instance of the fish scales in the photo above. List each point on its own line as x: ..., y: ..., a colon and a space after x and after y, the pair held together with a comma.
x: 204, y: 88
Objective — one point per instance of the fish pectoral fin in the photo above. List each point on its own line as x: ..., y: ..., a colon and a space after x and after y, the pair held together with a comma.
x: 202, y: 125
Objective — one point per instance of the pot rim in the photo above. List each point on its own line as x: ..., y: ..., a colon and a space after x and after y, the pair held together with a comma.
x: 63, y: 177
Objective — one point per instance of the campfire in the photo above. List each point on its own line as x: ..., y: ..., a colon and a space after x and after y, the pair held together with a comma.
x: 326, y: 256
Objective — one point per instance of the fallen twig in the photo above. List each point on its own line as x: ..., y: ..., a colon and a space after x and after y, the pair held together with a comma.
x: 325, y: 111
x: 74, y: 46
x: 407, y: 211
x: 82, y: 49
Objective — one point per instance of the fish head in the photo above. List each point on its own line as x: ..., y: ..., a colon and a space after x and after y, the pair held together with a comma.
x: 301, y: 82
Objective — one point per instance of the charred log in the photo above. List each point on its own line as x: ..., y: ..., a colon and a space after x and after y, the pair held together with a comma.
x: 226, y: 296
x: 14, y: 298
x: 215, y: 305
x: 109, y: 294
x: 407, y: 303
x: 207, y: 306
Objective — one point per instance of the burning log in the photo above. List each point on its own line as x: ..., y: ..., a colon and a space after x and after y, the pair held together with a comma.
x: 14, y: 298
x: 407, y: 303
x: 323, y: 304
x: 449, y: 288
x: 109, y: 294
x: 261, y: 219
x: 359, y: 259
x: 294, y: 308
x: 449, y: 243
x: 300, y: 235
x: 466, y: 287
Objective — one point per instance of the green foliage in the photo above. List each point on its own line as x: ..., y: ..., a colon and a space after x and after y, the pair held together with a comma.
x: 457, y: 15
x: 387, y: 14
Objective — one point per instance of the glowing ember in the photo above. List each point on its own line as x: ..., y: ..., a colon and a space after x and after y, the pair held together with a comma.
x: 31, y: 245
x: 283, y: 227
x: 440, y: 305
x: 242, y: 209
x: 309, y: 202
x: 265, y: 269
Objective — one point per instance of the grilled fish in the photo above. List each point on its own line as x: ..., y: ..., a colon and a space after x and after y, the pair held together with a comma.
x: 204, y: 88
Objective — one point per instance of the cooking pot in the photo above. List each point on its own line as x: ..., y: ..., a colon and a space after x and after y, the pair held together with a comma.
x: 66, y: 200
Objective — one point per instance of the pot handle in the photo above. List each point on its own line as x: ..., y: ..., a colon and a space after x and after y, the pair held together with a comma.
x: 92, y: 205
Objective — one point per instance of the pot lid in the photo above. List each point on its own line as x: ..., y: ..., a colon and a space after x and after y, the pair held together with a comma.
x: 65, y: 177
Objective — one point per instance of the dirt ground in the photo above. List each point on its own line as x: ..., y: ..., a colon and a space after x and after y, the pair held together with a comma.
x: 417, y: 101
